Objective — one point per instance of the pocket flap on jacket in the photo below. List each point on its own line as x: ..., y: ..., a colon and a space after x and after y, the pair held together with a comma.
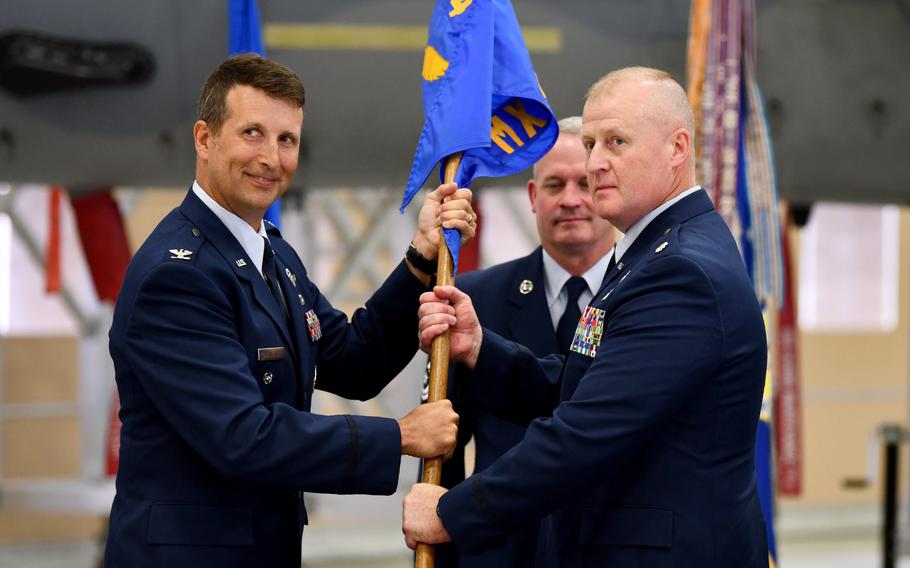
x: 200, y: 525
x: 627, y: 526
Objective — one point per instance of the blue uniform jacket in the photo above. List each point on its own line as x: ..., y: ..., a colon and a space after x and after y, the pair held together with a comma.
x: 647, y: 458
x: 218, y: 443
x: 523, y: 317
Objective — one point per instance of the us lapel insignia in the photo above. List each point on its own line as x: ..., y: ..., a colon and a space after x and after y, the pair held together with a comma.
x: 181, y: 254
x: 589, y: 332
x: 312, y: 326
x: 302, y: 302
x: 291, y: 276
x: 240, y: 262
x: 662, y: 246
x: 526, y: 286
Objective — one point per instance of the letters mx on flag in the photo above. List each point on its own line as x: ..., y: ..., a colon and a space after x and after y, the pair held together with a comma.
x: 480, y: 97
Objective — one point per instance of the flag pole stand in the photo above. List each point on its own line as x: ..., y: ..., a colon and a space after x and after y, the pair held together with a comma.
x: 439, y: 368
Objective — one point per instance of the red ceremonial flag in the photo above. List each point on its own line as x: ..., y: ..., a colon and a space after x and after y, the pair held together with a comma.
x: 104, y: 241
x: 787, y: 398
x: 470, y: 253
x: 107, y: 251
x: 113, y: 437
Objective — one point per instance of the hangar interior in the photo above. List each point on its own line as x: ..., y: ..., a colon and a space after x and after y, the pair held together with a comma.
x: 834, y: 76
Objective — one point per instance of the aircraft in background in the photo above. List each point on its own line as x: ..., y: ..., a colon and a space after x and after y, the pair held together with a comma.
x: 97, y: 94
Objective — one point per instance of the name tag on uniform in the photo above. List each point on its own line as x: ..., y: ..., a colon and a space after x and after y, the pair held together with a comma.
x: 589, y: 332
x: 271, y: 353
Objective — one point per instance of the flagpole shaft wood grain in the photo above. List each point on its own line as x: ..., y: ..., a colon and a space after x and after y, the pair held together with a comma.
x: 439, y: 368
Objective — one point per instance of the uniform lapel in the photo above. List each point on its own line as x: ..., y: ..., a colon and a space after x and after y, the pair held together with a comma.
x: 293, y: 298
x: 690, y: 206
x: 529, y: 320
x: 222, y: 239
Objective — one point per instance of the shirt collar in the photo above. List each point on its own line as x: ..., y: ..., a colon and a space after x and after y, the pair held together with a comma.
x: 626, y: 242
x: 250, y: 240
x: 555, y: 276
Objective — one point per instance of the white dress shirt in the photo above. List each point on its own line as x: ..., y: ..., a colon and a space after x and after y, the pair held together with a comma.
x: 250, y: 240
x: 555, y: 278
x: 636, y: 229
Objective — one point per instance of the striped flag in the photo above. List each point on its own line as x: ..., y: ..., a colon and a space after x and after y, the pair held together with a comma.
x: 736, y: 163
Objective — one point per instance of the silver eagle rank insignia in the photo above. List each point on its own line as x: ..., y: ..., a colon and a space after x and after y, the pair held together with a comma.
x: 180, y: 254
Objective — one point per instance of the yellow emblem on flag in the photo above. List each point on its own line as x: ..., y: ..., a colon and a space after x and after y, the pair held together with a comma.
x: 434, y: 65
x: 458, y: 7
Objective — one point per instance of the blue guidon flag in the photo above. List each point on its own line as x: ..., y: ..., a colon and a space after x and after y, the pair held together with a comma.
x: 245, y: 33
x: 480, y: 97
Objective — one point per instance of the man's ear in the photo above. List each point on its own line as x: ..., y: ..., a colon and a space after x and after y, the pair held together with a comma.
x: 202, y: 137
x: 682, y: 147
x: 532, y: 194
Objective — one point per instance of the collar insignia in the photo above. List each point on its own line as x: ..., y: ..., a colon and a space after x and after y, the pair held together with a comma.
x: 181, y: 254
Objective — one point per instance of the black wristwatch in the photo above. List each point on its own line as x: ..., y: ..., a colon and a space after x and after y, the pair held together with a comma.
x: 419, y: 261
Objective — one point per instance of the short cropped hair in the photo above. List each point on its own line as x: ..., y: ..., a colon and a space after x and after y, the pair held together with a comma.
x: 674, y: 96
x: 570, y: 125
x: 249, y: 69
x: 567, y: 125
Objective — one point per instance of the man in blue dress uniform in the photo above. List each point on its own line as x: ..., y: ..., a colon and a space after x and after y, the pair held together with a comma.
x: 643, y: 452
x: 219, y: 338
x: 536, y: 301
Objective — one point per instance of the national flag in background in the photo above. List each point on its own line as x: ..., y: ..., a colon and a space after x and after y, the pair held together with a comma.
x: 480, y: 97
x: 246, y: 37
x: 736, y: 164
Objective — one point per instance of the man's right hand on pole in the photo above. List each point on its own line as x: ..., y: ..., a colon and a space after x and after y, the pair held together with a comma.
x: 448, y: 308
x: 430, y: 430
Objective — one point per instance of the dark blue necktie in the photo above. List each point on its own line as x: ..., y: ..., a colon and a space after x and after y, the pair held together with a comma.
x: 270, y: 271
x: 565, y: 329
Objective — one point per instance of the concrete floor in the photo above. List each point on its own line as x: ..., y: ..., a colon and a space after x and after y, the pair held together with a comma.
x: 841, y: 552
x: 364, y: 532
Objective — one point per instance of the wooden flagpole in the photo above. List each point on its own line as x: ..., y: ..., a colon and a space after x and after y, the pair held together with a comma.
x: 439, y: 368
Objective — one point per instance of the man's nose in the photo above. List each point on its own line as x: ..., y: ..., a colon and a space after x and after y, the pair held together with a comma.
x: 573, y: 195
x: 268, y: 154
x: 597, y: 161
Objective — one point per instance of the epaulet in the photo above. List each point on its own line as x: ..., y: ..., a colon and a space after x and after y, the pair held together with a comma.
x: 667, y: 242
x: 185, y: 252
x: 271, y: 228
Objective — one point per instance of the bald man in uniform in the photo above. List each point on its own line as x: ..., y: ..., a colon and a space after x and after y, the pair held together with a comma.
x: 643, y: 452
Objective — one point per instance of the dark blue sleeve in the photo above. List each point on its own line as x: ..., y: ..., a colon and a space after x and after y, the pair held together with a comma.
x: 661, y: 344
x: 509, y: 371
x: 183, y: 345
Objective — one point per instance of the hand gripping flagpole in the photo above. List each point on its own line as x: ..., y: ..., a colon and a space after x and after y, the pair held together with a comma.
x: 439, y: 368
